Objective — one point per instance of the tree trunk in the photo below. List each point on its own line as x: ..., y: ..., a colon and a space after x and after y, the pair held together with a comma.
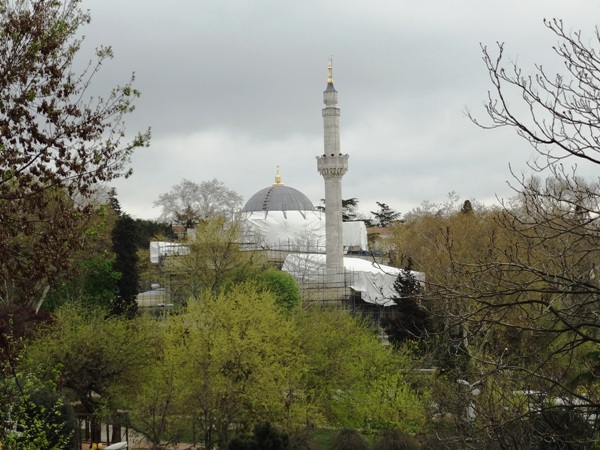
x: 95, y: 430
x: 116, y: 430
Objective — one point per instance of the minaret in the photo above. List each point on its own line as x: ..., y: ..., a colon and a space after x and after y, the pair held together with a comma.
x: 332, y: 166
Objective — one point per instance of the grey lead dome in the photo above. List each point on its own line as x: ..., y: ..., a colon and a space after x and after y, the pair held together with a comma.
x: 278, y: 198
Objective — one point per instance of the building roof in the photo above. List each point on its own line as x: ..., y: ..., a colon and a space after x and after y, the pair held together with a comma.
x: 278, y: 198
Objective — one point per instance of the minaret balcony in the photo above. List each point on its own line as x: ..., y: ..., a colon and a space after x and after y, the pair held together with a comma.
x: 331, y: 111
x: 332, y: 165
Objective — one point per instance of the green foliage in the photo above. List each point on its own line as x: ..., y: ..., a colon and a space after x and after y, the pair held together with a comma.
x: 100, y: 282
x: 33, y: 415
x: 352, y: 380
x: 96, y: 286
x: 322, y: 437
x: 214, y: 262
x: 349, y: 210
x: 102, y: 358
x: 125, y: 263
x: 407, y: 320
x: 146, y: 230
x: 264, y: 437
x: 385, y: 216
x: 153, y: 411
x: 235, y: 359
x: 56, y: 414
x: 283, y: 286
x: 230, y: 362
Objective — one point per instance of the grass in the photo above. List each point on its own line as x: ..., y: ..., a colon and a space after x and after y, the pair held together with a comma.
x: 322, y: 437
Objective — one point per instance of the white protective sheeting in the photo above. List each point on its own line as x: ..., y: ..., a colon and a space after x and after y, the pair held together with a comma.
x: 299, y: 231
x: 151, y: 298
x: 355, y: 236
x: 289, y: 230
x: 375, y: 282
x: 160, y: 249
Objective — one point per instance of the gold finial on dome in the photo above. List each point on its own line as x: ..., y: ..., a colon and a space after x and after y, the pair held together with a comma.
x: 330, y: 71
x: 278, y: 179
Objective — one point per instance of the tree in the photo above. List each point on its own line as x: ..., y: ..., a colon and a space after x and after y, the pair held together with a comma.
x: 147, y: 230
x: 151, y: 411
x: 408, y: 319
x: 562, y: 119
x: 101, y: 359
x: 349, y: 209
x: 34, y: 415
x: 467, y: 207
x: 189, y: 203
x: 130, y: 238
x: 125, y: 263
x: 237, y: 363
x: 535, y: 297
x: 103, y: 272
x: 90, y: 276
x: 429, y: 241
x: 385, y: 215
x: 213, y: 261
x: 56, y: 147
x: 350, y: 379
x: 94, y: 283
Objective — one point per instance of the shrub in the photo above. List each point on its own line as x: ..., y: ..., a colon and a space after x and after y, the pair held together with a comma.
x: 283, y: 286
x: 264, y: 437
x: 347, y: 439
x: 396, y: 440
x: 558, y: 429
x: 302, y: 440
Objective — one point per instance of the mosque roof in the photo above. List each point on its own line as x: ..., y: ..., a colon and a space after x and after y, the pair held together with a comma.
x: 278, y: 197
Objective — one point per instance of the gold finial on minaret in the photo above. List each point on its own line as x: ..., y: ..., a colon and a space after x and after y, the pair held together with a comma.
x: 278, y: 179
x: 330, y: 71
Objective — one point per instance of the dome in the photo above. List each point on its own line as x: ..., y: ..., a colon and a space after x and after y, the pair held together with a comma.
x: 278, y: 198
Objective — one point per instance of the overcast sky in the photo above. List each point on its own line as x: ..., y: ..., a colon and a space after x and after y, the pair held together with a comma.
x: 233, y: 88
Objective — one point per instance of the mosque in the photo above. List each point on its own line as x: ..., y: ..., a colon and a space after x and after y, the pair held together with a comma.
x: 315, y: 248
x: 308, y: 244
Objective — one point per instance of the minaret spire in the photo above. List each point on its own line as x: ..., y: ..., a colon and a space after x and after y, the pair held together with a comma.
x: 330, y: 71
x: 332, y: 166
